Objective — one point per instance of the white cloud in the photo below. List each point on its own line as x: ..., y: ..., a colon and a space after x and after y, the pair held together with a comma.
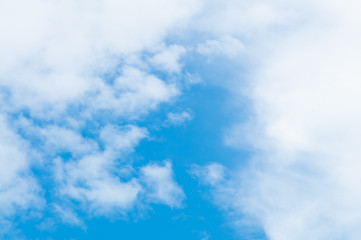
x: 133, y: 93
x: 192, y: 79
x: 96, y: 177
x: 59, y: 139
x: 246, y: 19
x: 105, y: 182
x: 211, y: 174
x: 67, y: 216
x: 227, y: 46
x: 53, y: 52
x: 302, y: 182
x: 18, y: 188
x: 161, y: 187
x: 122, y: 138
x: 178, y: 118
x: 168, y: 59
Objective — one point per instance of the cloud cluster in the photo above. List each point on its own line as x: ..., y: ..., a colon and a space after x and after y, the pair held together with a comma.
x: 96, y: 177
x: 73, y: 74
x: 53, y: 52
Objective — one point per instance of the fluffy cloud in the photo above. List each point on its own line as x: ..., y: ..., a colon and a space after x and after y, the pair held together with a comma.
x: 53, y: 52
x: 95, y: 178
x: 303, y: 179
x: 105, y: 181
x: 161, y: 187
x: 168, y: 59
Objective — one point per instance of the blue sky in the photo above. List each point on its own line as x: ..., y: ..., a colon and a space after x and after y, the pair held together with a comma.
x: 180, y: 119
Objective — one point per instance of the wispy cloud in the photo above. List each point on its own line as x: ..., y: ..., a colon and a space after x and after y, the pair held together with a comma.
x: 18, y: 187
x: 226, y: 46
x: 178, y: 118
x: 161, y: 186
x: 211, y: 174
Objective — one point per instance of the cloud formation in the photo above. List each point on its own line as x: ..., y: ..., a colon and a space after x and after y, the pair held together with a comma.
x: 95, y: 177
x: 302, y: 181
x: 75, y: 76
x: 72, y: 77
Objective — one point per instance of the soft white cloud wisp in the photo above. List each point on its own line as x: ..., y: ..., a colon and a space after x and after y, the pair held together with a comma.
x: 18, y: 187
x: 161, y: 187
